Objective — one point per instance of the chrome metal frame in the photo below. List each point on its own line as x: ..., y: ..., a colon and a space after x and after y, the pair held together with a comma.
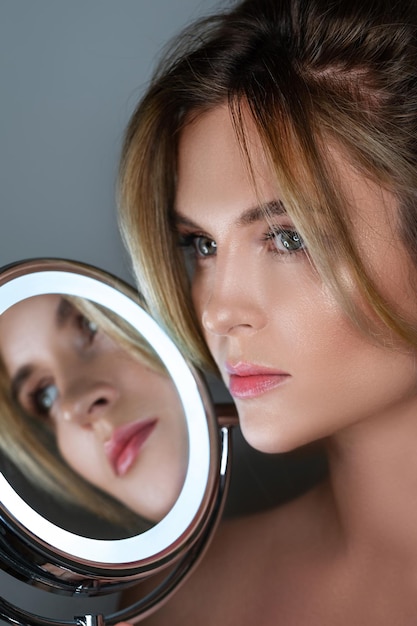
x: 26, y: 547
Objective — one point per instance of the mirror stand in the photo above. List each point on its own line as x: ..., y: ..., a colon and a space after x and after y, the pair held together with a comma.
x: 165, y: 589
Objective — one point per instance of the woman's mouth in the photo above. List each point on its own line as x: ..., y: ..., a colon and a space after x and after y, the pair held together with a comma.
x: 126, y: 443
x: 249, y: 381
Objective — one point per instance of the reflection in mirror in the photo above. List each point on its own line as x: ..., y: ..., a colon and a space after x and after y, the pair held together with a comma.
x: 94, y: 433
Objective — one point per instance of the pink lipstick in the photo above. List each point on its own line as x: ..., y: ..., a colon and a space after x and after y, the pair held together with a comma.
x: 249, y: 381
x: 126, y: 443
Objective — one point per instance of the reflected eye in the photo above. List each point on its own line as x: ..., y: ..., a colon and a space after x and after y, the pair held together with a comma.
x: 43, y: 398
x: 87, y: 327
x: 287, y: 240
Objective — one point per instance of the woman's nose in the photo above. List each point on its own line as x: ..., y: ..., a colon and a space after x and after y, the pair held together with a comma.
x: 86, y: 404
x: 231, y: 302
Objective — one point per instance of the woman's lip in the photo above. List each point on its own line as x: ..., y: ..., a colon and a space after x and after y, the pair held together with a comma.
x: 253, y: 386
x: 126, y: 443
x: 249, y: 381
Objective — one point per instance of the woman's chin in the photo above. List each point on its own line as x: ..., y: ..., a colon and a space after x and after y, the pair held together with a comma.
x: 263, y: 441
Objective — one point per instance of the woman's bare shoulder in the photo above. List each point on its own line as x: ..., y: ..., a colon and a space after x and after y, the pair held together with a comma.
x: 246, y: 556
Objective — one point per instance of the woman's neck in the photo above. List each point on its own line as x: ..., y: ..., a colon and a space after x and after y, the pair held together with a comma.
x: 373, y: 481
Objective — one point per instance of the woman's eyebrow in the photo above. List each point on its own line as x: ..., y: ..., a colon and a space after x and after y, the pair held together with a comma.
x: 253, y: 214
x: 178, y: 219
x: 63, y: 312
x: 19, y: 379
x: 261, y: 212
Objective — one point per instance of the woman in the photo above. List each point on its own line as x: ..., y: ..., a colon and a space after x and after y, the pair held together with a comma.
x: 74, y: 371
x: 278, y: 147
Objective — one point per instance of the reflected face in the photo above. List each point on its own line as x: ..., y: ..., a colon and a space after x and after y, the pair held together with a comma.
x: 118, y: 423
x: 294, y: 364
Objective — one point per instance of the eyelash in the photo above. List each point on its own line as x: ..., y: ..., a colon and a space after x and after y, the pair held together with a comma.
x: 35, y: 402
x: 292, y: 236
x: 188, y: 242
x: 87, y: 327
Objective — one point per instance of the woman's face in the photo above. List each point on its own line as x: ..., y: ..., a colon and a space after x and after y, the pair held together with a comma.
x: 296, y: 367
x: 118, y: 424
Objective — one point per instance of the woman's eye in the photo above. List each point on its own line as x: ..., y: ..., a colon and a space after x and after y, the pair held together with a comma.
x: 88, y: 327
x: 287, y: 240
x: 205, y: 246
x: 202, y: 245
x: 44, y: 398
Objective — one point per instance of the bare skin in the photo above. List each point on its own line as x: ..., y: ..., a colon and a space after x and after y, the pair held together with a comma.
x: 291, y: 566
x: 346, y: 552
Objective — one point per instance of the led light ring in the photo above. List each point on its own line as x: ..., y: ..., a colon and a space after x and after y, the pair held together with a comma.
x: 179, y: 518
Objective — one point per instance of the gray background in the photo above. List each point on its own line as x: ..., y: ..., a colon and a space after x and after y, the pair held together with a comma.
x: 71, y: 72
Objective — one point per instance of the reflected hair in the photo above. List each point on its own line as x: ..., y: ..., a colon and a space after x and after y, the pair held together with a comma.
x: 308, y: 75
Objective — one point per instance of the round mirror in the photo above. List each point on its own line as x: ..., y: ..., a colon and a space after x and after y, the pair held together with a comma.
x: 87, y: 392
x: 113, y: 465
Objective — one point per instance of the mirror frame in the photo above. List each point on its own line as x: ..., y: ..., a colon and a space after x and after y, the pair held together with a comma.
x: 28, y: 541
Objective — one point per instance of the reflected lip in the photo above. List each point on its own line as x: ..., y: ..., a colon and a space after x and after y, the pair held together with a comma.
x: 126, y: 443
x: 249, y: 381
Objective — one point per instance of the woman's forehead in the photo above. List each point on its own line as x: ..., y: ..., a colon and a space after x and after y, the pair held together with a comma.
x: 23, y: 312
x: 212, y: 164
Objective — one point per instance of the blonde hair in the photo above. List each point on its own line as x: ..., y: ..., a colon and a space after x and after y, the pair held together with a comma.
x: 309, y: 73
x: 30, y: 444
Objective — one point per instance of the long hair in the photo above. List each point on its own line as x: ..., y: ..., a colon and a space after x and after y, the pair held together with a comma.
x: 311, y: 74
